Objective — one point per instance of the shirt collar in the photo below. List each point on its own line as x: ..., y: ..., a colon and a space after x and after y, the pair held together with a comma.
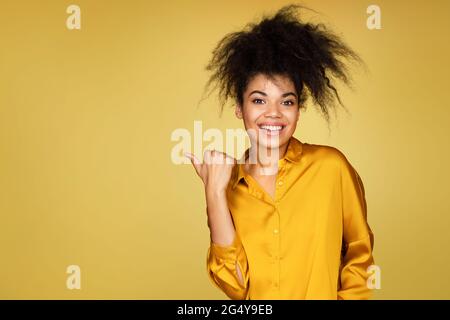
x: 293, y: 154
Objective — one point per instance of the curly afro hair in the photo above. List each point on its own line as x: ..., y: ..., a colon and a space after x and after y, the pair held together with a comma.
x: 310, y: 55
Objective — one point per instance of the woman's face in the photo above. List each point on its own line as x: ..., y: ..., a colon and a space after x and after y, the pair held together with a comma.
x: 270, y: 109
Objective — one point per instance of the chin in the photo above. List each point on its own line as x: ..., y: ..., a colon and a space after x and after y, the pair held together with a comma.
x: 272, y: 142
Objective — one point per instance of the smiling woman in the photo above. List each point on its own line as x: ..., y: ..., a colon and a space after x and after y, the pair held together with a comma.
x: 270, y: 108
x: 301, y: 231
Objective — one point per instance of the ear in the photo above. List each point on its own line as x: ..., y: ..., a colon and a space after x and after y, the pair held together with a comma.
x: 238, y: 111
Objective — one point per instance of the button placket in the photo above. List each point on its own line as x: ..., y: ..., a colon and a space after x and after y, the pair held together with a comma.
x: 276, y: 248
x: 280, y: 188
x: 283, y: 187
x: 280, y: 181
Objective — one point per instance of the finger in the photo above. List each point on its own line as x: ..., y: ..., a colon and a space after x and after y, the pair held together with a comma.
x: 207, y: 155
x: 230, y: 160
x: 225, y: 158
x: 218, y: 157
x: 192, y: 157
x: 195, y: 162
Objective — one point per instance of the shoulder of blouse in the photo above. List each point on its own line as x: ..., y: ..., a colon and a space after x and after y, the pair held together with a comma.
x: 325, y: 154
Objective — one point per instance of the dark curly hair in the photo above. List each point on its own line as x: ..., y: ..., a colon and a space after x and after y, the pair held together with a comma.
x: 310, y: 55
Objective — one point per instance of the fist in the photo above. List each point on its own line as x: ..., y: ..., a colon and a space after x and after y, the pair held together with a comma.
x: 215, y: 170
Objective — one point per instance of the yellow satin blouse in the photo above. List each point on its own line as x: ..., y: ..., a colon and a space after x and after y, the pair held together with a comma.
x: 311, y: 241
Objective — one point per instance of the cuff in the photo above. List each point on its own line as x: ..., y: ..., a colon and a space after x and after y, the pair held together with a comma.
x: 227, y: 253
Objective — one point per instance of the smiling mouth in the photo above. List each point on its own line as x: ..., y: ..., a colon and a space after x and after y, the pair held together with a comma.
x: 271, y: 129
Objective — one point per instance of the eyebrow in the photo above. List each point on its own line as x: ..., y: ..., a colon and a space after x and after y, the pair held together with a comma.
x: 265, y: 94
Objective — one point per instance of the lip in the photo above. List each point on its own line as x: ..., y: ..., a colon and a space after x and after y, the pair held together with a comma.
x: 272, y: 124
x: 270, y: 132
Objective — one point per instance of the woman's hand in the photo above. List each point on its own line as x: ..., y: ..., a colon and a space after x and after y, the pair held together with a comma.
x: 215, y: 171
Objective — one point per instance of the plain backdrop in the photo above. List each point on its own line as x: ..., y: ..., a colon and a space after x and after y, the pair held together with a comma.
x: 86, y: 118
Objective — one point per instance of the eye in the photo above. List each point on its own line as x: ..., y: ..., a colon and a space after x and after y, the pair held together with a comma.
x: 290, y: 102
x: 255, y: 100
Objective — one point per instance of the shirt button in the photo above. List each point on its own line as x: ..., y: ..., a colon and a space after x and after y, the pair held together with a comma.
x: 276, y: 231
x: 280, y: 183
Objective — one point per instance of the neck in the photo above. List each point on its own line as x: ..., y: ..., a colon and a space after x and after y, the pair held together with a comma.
x: 266, y: 161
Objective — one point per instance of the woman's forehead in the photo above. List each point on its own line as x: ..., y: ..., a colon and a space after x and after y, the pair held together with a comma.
x: 273, y: 83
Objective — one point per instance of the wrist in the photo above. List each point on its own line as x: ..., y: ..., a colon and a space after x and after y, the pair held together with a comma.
x: 213, y: 191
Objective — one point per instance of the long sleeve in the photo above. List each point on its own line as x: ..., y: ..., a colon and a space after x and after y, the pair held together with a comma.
x: 221, y: 268
x: 358, y: 239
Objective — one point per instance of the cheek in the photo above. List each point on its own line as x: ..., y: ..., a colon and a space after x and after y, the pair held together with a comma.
x: 292, y: 117
x: 251, y: 116
x: 248, y: 122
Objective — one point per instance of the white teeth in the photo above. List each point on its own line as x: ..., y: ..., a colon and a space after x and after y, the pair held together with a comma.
x: 271, y: 128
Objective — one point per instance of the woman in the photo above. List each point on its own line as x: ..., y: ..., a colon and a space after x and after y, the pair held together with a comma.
x: 293, y: 223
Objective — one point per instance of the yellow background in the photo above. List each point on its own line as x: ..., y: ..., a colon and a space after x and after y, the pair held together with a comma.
x: 86, y: 117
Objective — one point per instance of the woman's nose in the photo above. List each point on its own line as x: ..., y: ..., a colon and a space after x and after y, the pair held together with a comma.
x: 273, y: 110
